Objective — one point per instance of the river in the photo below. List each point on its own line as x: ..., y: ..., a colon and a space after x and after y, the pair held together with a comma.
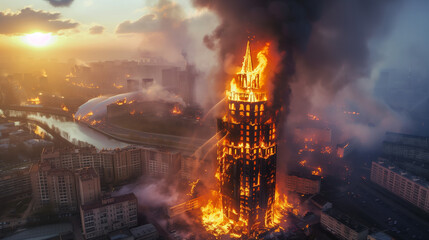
x: 72, y: 131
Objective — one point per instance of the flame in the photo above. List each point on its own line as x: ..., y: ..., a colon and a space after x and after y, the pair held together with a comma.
x: 312, y: 117
x: 317, y: 171
x: 34, y: 101
x: 254, y: 78
x: 85, y: 117
x: 124, y: 101
x: 95, y: 122
x: 281, y: 207
x: 64, y: 108
x: 326, y: 150
x: 39, y: 132
x: 117, y: 86
x: 176, y: 110
x: 133, y: 112
x: 303, y: 162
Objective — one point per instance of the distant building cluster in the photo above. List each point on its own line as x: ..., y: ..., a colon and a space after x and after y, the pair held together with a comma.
x: 118, y: 165
x: 70, y: 180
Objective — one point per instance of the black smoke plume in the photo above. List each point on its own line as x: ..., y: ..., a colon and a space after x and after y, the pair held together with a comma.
x: 326, y: 39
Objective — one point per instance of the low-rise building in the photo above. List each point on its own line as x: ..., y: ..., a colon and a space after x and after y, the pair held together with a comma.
x: 303, y: 184
x: 145, y: 232
x: 108, y: 215
x: 15, y: 184
x: 342, y: 226
x: 401, y: 183
x: 379, y: 236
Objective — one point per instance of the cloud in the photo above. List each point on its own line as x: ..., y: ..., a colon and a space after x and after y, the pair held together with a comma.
x: 164, y: 16
x: 60, y: 3
x: 96, y: 29
x: 29, y: 20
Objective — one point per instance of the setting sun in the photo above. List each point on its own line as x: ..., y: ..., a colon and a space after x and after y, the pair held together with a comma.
x: 38, y: 39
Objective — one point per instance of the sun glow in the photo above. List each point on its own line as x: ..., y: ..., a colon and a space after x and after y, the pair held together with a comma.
x: 38, y: 39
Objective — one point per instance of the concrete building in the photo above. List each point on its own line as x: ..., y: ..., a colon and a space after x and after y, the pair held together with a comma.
x: 15, y: 184
x: 342, y: 226
x: 53, y: 187
x: 87, y: 186
x: 145, y: 232
x: 379, y: 236
x: 303, y: 184
x: 108, y: 215
x: 321, y: 202
x: 401, y: 183
x: 161, y: 162
x: 73, y: 158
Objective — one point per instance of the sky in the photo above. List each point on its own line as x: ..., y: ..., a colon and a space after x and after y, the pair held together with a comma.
x: 96, y: 29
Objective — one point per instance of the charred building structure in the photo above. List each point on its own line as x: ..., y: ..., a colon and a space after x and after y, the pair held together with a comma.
x: 246, y: 152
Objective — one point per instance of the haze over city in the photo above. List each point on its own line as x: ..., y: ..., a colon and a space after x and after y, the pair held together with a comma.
x: 198, y: 119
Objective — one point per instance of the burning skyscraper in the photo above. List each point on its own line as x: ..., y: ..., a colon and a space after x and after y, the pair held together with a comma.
x: 247, y: 151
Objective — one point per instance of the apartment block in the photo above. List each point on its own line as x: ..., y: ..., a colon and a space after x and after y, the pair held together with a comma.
x: 303, y: 184
x: 108, y: 215
x: 401, y: 183
x: 342, y: 226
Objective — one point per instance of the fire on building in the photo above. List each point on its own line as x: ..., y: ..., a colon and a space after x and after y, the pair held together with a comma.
x: 247, y: 203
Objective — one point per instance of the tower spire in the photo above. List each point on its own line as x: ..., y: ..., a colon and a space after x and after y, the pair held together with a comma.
x: 248, y: 67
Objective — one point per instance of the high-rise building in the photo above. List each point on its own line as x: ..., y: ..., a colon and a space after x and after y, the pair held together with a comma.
x: 87, y: 186
x: 246, y: 152
x: 54, y: 187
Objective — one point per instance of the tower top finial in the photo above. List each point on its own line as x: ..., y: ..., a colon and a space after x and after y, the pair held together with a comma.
x: 248, y: 67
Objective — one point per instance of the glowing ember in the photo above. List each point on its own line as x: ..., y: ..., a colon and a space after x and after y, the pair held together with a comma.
x: 312, y: 117
x: 303, y: 162
x: 64, y: 108
x: 34, y: 101
x: 133, y: 112
x: 176, y: 110
x: 326, y: 150
x: 317, y: 171
x: 117, y: 86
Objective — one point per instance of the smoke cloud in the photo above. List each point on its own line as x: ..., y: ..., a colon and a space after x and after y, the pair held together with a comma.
x: 323, y: 46
x: 60, y: 3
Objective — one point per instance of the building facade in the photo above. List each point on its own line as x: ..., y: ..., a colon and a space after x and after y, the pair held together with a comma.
x: 296, y: 182
x: 53, y: 187
x: 87, y: 186
x: 246, y: 152
x: 401, y: 183
x: 342, y: 226
x: 108, y: 214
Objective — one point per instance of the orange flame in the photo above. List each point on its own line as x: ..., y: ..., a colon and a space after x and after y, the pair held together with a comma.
x: 35, y: 100
x: 64, y: 108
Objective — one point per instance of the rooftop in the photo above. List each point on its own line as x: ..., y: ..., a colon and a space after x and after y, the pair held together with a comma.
x: 143, y: 230
x: 392, y: 167
x: 109, y: 200
x: 346, y: 220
